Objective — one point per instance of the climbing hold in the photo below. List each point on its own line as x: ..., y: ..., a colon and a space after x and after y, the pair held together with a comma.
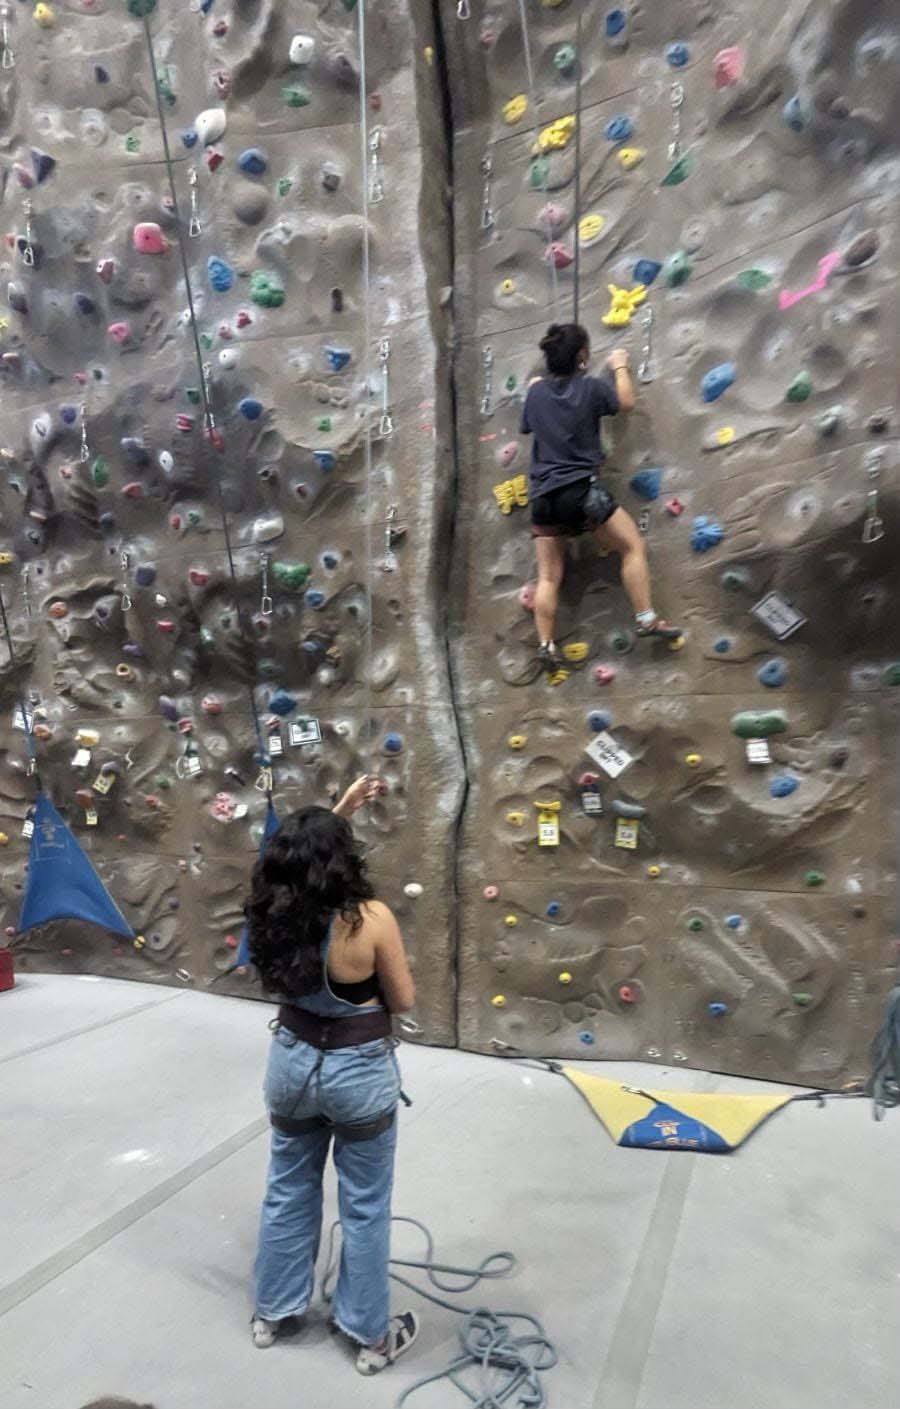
x: 337, y: 358
x: 314, y: 598
x: 645, y: 271
x: 802, y: 1000
x: 814, y: 878
x: 281, y: 702
x: 44, y: 16
x: 753, y: 279
x: 293, y: 577
x: 800, y: 388
x: 516, y: 819
x: 679, y: 171
x: 558, y: 255
x: 538, y: 173
x: 722, y: 436
x: 213, y: 158
x: 717, y: 1010
x: 324, y: 459
x: 210, y: 125
x: 623, y: 303
x: 553, y: 908
x: 250, y: 408
x: 618, y: 129
x: 220, y: 274
x: 773, y: 674
x: 265, y: 289
x: 148, y: 238
x: 498, y: 1000
x: 830, y: 421
x: 630, y: 157
x: 891, y: 674
x: 654, y: 872
x: 599, y: 720
x: 510, y: 921
x: 514, y: 110
x: 302, y: 50
x: 861, y: 250
x: 556, y: 136
x: 575, y: 651
x: 564, y: 58
x: 646, y: 483
x: 198, y: 577
x: 392, y: 743
x: 734, y: 922
x: 491, y: 892
x: 784, y: 785
x: 120, y: 332
x: 794, y: 114
x: 84, y: 303
x: 565, y: 977
x: 717, y: 380
x: 140, y: 8
x: 587, y: 1038
x: 758, y: 724
x: 414, y: 890
x: 615, y: 24
x: 677, y: 55
x: 634, y: 811
x: 693, y: 760
x: 677, y: 269
x: 696, y: 924
x: 705, y: 534
x: 297, y: 95
x: 253, y: 161
x: 728, y: 66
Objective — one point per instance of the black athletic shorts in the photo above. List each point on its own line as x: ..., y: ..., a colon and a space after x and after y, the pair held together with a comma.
x: 570, y: 510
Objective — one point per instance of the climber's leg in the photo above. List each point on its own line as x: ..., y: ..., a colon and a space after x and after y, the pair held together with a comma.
x: 620, y: 534
x: 551, y: 565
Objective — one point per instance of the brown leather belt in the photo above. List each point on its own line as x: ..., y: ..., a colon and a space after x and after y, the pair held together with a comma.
x: 330, y: 1033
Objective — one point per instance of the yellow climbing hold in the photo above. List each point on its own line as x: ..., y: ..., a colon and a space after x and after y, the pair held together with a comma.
x: 551, y: 4
x: 510, y: 921
x: 511, y: 493
x: 139, y: 941
x: 516, y: 819
x: 693, y: 760
x: 5, y: 559
x: 429, y: 55
x: 558, y: 677
x: 654, y: 872
x: 677, y: 644
x: 4, y: 324
x: 630, y: 157
x: 556, y: 136
x: 623, y: 303
x: 517, y: 741
x: 514, y: 110
x: 565, y: 977
x: 507, y: 287
x: 576, y: 651
x: 4, y: 839
x: 724, y: 435
x: 498, y: 1000
x: 44, y: 16
x: 589, y: 228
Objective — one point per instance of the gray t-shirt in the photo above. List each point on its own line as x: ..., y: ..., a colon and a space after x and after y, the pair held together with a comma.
x: 563, y: 414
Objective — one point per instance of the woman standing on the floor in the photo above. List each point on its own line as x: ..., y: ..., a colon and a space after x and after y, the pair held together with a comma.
x: 334, y: 956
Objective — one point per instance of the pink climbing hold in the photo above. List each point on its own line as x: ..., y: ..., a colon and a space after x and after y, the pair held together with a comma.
x: 728, y: 66
x: 165, y: 626
x: 674, y: 507
x: 827, y: 265
x: 211, y: 704
x: 589, y: 780
x: 225, y: 332
x: 551, y: 216
x: 526, y: 597
x: 148, y: 238
x: 508, y: 452
x: 558, y: 255
x: 491, y: 892
x: 119, y: 332
x: 134, y: 490
x: 604, y: 674
x: 243, y: 319
x: 198, y: 577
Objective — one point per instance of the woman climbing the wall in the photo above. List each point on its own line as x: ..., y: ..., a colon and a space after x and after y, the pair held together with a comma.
x: 563, y: 411
x: 334, y: 956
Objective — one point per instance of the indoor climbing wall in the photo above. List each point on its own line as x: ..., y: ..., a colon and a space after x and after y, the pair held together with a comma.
x: 684, y: 854
x: 310, y: 411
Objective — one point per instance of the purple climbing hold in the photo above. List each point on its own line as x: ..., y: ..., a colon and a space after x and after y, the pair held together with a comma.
x: 645, y: 271
x: 101, y: 74
x: 84, y: 303
x: 134, y: 449
x: 145, y: 574
x: 784, y: 785
x: 131, y: 648
x: 717, y: 380
x: 250, y: 408
x: 705, y: 534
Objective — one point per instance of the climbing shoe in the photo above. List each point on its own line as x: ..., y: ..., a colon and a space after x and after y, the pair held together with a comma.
x: 264, y: 1332
x: 551, y: 658
x: 402, y: 1333
x: 662, y: 630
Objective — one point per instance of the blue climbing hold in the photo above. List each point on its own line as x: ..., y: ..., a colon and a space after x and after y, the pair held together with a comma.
x: 677, y: 55
x: 598, y: 720
x: 205, y: 6
x: 717, y: 1010
x: 794, y: 114
x: 773, y: 674
x: 553, y: 908
x: 84, y: 303
x: 253, y: 161
x: 145, y: 574
x: 734, y: 922
x: 717, y: 380
x: 337, y: 358
x: 618, y: 129
x: 705, y: 534
x: 314, y: 598
x: 101, y: 74
x: 312, y: 648
x: 330, y: 560
x: 220, y: 274
x: 722, y: 645
x: 324, y: 459
x: 250, y: 408
x: 392, y: 743
x: 645, y: 271
x: 615, y: 22
x: 42, y: 164
x: 189, y: 138
x: 646, y: 484
x: 282, y: 703
x: 68, y: 415
x: 587, y: 1038
x: 784, y: 785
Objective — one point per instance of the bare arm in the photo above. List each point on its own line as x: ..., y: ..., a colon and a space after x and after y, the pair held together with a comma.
x: 357, y: 795
x: 391, y: 963
x: 617, y: 362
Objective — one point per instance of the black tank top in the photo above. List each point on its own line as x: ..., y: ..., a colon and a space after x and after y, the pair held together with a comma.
x: 359, y: 992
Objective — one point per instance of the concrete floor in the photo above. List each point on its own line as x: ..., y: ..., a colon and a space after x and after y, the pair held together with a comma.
x: 133, y: 1155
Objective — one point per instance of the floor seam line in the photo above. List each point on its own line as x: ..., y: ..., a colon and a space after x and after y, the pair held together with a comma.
x: 91, y: 1027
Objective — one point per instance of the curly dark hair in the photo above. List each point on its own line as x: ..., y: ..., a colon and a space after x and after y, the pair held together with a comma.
x: 562, y: 346
x: 309, y: 871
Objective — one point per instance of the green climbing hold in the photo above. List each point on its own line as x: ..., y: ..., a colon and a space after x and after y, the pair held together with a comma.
x: 323, y: 423
x: 292, y: 576
x: 814, y: 878
x: 193, y: 395
x: 132, y: 142
x: 734, y: 580
x: 140, y: 8
x: 265, y: 290
x: 753, y: 279
x: 695, y: 924
x: 564, y: 58
x: 296, y: 95
x: 162, y: 782
x: 800, y: 388
x: 621, y: 642
x: 511, y: 382
x: 206, y: 636
x: 194, y: 517
x: 205, y: 341
x: 677, y: 269
x: 349, y: 4
x: 679, y: 171
x: 284, y: 185
x: 758, y: 723
x: 892, y: 674
x: 100, y: 472
x: 802, y: 1000
x: 539, y: 173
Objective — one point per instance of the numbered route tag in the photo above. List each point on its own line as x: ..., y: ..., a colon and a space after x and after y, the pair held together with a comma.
x: 627, y: 829
x: 103, y: 783
x: 306, y: 731
x: 609, y: 754
x: 276, y: 746
x: 592, y: 802
x: 28, y: 828
x: 82, y: 758
x: 548, y: 823
x: 775, y: 612
x: 758, y: 751
x: 91, y: 817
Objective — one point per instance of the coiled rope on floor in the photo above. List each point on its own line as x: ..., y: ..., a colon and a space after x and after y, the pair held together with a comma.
x: 495, y: 1366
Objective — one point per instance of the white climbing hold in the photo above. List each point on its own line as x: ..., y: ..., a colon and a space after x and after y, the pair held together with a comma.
x: 267, y: 527
x: 166, y: 461
x: 210, y: 125
x: 303, y: 47
x: 228, y: 358
x: 413, y: 890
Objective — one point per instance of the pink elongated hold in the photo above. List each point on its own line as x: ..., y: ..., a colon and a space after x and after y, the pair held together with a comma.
x: 728, y: 66
x: 827, y: 265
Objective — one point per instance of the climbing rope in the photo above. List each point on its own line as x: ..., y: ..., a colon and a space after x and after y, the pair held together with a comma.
x: 367, y: 747
x: 884, y: 1083
x: 495, y: 1365
x: 264, y: 782
x: 532, y: 98
x: 576, y: 272
x: 27, y: 720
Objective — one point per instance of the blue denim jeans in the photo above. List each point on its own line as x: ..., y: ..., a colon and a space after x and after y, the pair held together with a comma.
x: 350, y: 1086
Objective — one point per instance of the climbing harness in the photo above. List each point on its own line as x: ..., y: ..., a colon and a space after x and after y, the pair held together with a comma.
x: 496, y: 1365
